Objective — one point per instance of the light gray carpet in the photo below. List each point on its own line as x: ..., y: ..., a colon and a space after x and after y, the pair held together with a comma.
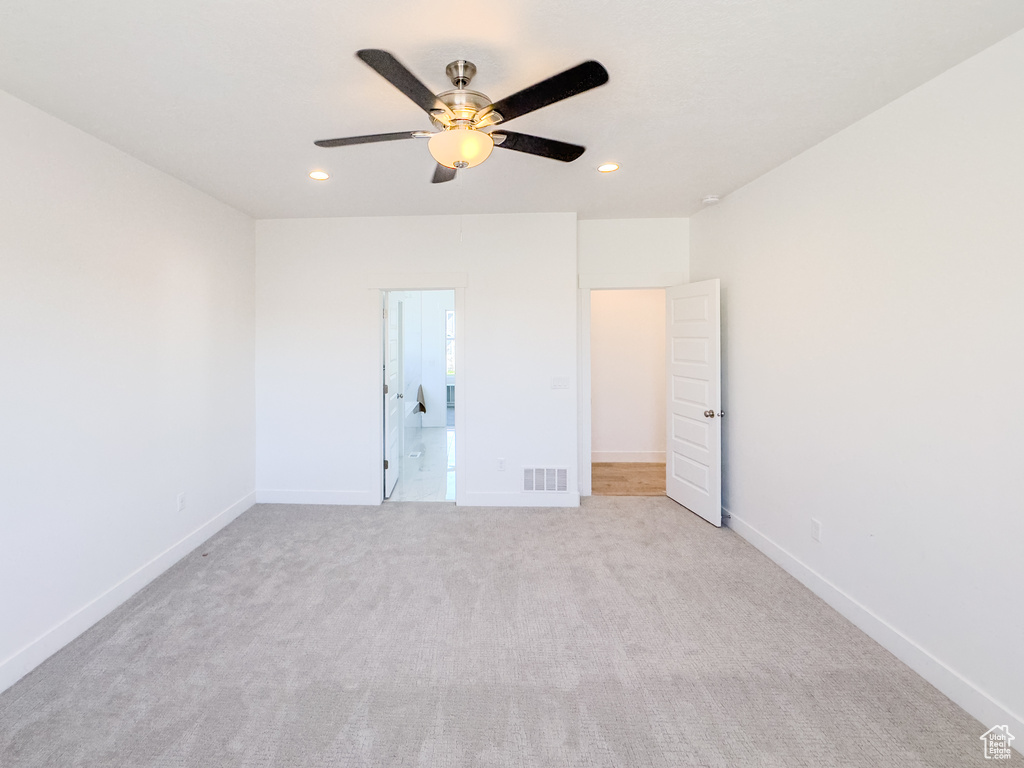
x: 626, y: 633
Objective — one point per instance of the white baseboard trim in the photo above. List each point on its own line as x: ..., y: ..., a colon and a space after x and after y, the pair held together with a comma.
x: 957, y: 688
x: 347, y: 498
x: 628, y: 456
x: 478, y: 499
x: 39, y: 650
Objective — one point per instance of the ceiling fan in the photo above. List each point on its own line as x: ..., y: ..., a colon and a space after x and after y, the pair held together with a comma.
x: 463, y: 115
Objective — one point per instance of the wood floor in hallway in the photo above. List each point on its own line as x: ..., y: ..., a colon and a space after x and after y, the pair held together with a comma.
x: 628, y: 479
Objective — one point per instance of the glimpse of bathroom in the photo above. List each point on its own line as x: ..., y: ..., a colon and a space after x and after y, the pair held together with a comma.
x: 427, y: 456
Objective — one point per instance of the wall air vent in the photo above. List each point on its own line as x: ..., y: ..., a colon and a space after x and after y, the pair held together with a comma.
x: 546, y: 479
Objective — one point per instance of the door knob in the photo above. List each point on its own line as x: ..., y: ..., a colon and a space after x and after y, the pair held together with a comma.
x: 401, y: 395
x: 712, y: 414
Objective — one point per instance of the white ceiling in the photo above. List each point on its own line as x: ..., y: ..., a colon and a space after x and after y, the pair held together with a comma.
x: 229, y: 95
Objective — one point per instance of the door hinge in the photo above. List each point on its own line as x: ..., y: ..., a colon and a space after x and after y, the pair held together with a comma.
x: 385, y: 463
x: 385, y: 389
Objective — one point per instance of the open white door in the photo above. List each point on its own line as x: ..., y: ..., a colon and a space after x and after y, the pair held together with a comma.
x: 693, y: 455
x: 394, y: 421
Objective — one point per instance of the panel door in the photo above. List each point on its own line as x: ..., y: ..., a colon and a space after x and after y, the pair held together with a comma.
x: 693, y: 455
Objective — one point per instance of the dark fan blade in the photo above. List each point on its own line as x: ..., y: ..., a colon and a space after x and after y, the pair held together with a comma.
x: 580, y: 78
x: 372, y: 138
x: 535, y: 145
x: 442, y: 173
x: 388, y: 67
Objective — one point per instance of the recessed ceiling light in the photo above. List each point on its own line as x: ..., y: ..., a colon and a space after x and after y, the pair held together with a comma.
x: 608, y: 167
x: 319, y: 175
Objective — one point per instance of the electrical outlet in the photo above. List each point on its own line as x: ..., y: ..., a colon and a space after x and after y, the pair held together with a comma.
x: 501, y: 465
x: 815, y: 529
x: 181, y: 501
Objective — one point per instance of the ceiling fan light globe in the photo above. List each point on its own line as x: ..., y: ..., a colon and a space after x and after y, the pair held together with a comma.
x: 456, y: 146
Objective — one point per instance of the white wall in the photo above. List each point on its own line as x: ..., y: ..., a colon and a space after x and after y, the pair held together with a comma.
x: 318, y: 346
x: 126, y: 335
x: 627, y: 375
x: 633, y: 253
x: 873, y: 294
x: 434, y: 379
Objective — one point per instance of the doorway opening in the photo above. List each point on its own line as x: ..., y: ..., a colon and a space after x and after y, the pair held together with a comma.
x: 418, y: 337
x: 628, y: 405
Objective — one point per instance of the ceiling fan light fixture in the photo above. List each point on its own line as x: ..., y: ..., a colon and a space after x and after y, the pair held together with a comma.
x: 462, y: 115
x: 460, y: 147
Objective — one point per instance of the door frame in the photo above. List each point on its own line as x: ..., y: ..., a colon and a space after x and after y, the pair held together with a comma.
x: 597, y: 282
x: 441, y: 282
x: 400, y: 342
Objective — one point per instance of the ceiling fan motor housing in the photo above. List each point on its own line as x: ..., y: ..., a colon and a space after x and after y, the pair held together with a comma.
x: 465, y: 106
x: 469, y: 109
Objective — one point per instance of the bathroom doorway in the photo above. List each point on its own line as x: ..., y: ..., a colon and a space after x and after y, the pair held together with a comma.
x: 418, y: 334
